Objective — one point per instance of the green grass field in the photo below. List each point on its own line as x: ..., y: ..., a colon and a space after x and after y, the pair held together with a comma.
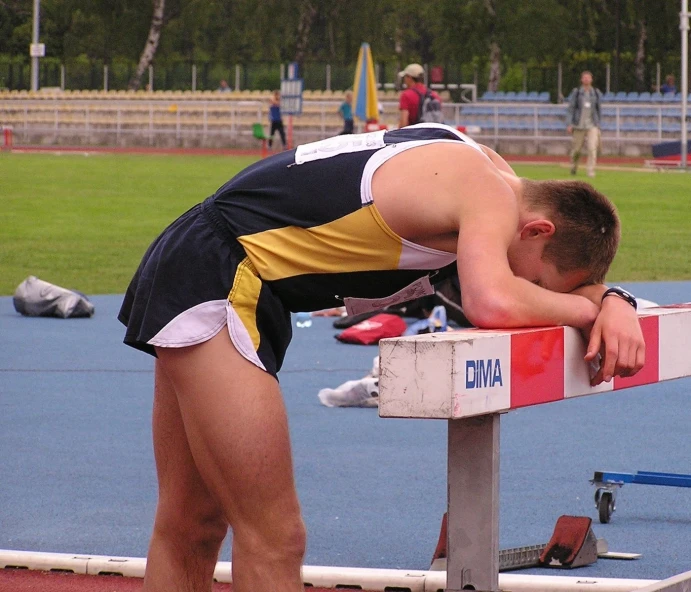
x: 84, y: 221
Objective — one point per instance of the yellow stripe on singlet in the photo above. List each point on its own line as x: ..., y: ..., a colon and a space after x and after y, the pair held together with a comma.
x: 244, y: 296
x: 360, y: 241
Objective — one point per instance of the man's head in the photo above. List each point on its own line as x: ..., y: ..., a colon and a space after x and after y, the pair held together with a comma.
x: 568, y: 235
x: 349, y: 96
x: 412, y: 74
x: 277, y: 95
x: 587, y: 78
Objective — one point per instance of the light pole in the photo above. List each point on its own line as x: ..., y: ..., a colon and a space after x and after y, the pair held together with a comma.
x: 684, y: 26
x: 36, y: 50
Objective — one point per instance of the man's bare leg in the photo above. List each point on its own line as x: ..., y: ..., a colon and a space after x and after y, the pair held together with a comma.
x: 237, y: 429
x: 189, y: 527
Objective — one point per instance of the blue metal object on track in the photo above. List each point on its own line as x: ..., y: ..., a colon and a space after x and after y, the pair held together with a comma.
x: 607, y: 483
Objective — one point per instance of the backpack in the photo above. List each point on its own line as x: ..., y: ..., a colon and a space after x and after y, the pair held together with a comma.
x: 429, y: 108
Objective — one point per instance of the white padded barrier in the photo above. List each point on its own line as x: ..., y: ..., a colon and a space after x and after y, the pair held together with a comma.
x: 475, y: 372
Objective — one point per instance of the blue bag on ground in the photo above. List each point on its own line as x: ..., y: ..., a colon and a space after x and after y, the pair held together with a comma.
x: 37, y: 298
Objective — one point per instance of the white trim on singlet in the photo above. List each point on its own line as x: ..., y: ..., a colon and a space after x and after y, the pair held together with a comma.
x: 413, y: 256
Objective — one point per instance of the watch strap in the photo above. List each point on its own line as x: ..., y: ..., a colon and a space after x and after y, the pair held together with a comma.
x: 623, y: 294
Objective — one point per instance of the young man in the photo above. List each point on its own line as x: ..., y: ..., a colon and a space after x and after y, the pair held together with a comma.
x: 309, y: 229
x: 409, y: 103
x: 584, y: 115
x: 346, y: 112
x: 276, y: 120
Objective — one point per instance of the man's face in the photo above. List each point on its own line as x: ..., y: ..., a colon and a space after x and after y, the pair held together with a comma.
x: 408, y: 81
x: 586, y: 79
x: 526, y: 261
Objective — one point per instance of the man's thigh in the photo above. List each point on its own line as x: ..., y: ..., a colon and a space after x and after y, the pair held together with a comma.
x: 593, y: 139
x: 237, y: 429
x: 578, y: 139
x: 183, y: 495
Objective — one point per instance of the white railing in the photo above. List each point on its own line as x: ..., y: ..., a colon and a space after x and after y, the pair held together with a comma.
x: 114, y: 121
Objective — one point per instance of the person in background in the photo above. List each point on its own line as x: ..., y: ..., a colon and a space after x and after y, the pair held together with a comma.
x: 223, y: 86
x: 415, y: 89
x: 276, y: 119
x: 346, y: 112
x: 583, y: 122
x: 669, y: 87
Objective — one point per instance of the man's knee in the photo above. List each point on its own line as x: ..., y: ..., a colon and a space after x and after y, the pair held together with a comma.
x: 286, y: 541
x: 200, y: 531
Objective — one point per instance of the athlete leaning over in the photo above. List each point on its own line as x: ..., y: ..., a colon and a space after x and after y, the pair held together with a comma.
x: 348, y: 218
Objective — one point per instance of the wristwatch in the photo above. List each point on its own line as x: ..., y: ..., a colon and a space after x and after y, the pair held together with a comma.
x: 623, y: 294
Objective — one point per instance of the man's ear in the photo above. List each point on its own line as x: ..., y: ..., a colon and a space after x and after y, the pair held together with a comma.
x: 537, y: 229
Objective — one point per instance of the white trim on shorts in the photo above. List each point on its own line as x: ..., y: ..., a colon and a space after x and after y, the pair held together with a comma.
x: 203, y: 322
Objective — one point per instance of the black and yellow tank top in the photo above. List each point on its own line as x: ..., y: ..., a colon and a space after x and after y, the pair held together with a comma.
x: 308, y: 222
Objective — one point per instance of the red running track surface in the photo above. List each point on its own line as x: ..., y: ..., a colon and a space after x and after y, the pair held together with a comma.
x: 24, y: 580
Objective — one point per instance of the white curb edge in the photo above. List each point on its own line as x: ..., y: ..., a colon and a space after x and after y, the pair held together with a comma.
x: 324, y: 577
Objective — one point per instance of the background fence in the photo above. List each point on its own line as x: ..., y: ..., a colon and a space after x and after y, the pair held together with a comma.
x: 83, y: 73
x: 210, y: 120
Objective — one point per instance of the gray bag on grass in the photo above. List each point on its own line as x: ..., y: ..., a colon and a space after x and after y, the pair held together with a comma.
x: 36, y: 298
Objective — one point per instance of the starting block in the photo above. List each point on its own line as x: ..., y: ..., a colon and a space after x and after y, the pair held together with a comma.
x: 470, y: 377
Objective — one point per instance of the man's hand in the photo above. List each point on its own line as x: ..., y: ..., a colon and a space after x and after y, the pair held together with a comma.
x: 569, y: 129
x: 616, y: 335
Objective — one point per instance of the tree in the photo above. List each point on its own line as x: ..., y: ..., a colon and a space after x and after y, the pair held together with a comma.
x: 150, y: 46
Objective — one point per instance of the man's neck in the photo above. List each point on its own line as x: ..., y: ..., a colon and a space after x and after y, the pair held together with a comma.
x: 587, y: 88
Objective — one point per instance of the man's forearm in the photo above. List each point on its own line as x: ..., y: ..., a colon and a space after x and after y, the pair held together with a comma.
x: 519, y: 303
x: 592, y: 292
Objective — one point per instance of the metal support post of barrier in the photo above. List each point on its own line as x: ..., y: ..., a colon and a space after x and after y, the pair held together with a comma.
x: 473, y: 504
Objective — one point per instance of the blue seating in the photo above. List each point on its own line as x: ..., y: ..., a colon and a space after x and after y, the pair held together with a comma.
x: 620, y: 96
x: 510, y: 96
x: 670, y: 98
x: 499, y: 95
x: 632, y: 97
x: 533, y: 95
x: 656, y: 97
x: 488, y: 95
x: 644, y: 97
x: 608, y: 97
x: 543, y: 97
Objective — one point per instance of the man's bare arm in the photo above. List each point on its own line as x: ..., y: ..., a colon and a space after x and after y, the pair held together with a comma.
x: 403, y: 117
x: 493, y: 297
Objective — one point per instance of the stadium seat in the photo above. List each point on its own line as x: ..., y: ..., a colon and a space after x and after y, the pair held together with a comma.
x: 543, y: 97
x: 644, y: 97
x: 632, y: 97
x: 656, y: 97
x: 670, y: 98
x: 499, y: 95
x: 522, y: 96
x: 533, y: 95
x: 620, y: 96
x: 510, y: 96
x: 488, y: 95
x: 608, y: 97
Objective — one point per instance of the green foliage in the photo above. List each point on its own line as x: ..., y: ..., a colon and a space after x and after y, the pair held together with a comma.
x: 578, y: 33
x: 84, y: 222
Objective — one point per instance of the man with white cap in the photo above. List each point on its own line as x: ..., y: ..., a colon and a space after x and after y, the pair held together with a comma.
x: 413, y: 95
